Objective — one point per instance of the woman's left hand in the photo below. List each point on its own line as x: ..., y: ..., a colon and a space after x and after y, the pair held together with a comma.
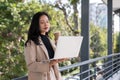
x: 63, y: 59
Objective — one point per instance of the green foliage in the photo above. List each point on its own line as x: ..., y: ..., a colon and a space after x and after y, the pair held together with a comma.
x: 15, y: 18
x: 98, y: 41
x: 69, y: 62
x: 14, y: 23
x: 116, y: 40
x: 74, y: 1
x: 65, y: 63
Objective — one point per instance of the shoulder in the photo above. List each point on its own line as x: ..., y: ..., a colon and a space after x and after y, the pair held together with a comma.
x: 30, y: 43
x: 30, y: 46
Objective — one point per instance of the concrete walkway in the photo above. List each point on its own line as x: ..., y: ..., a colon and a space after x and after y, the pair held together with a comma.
x: 116, y: 76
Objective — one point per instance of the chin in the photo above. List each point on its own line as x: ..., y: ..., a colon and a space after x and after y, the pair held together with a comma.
x: 47, y: 31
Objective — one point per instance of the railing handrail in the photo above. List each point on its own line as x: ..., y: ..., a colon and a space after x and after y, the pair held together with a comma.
x: 87, y: 62
x: 76, y: 64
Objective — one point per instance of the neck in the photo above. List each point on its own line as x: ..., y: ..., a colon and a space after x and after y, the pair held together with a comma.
x: 43, y: 33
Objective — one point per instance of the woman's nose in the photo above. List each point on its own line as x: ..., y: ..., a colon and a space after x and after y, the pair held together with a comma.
x: 46, y: 23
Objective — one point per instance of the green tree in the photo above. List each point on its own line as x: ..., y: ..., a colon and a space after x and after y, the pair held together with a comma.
x: 15, y: 18
x: 70, y: 12
x: 98, y: 41
x: 117, y: 42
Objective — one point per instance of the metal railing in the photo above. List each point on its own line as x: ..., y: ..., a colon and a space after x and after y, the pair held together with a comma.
x: 109, y: 66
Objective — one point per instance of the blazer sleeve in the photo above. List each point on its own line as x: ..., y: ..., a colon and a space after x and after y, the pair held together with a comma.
x: 30, y: 58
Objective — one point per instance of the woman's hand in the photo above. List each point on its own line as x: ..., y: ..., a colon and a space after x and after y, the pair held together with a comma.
x: 53, y: 62
x: 63, y: 59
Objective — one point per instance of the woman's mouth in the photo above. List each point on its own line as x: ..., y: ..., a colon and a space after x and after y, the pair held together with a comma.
x: 46, y: 28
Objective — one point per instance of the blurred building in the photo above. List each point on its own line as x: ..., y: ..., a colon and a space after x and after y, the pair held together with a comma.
x: 98, y: 14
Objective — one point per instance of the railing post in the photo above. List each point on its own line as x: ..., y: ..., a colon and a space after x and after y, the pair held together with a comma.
x: 84, y: 54
x: 119, y: 30
x: 109, y: 32
x: 109, y: 27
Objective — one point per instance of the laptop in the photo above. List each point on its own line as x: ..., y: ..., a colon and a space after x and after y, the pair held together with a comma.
x: 68, y: 47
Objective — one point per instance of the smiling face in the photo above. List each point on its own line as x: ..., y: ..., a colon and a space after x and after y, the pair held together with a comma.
x: 44, y: 24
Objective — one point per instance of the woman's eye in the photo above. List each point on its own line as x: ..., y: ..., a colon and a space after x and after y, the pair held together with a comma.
x: 42, y: 22
x: 47, y: 21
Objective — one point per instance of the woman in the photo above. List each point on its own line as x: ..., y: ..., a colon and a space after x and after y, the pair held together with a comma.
x: 39, y: 49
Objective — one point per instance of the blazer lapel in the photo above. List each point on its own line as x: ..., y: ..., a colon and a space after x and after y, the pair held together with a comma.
x: 43, y: 47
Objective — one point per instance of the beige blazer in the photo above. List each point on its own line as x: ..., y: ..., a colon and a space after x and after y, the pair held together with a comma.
x: 38, y: 69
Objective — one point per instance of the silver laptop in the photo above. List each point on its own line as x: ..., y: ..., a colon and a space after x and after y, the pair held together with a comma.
x: 68, y: 47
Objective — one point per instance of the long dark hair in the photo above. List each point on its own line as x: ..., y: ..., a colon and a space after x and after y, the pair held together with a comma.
x: 34, y: 30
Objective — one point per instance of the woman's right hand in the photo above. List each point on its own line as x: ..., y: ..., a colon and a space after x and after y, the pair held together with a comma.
x: 53, y: 62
